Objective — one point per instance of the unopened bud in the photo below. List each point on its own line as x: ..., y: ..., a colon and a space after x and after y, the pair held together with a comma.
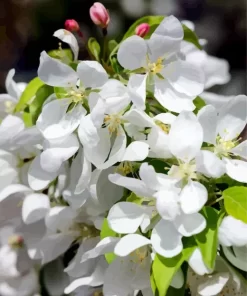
x: 16, y: 241
x: 99, y: 15
x: 71, y: 25
x: 142, y: 29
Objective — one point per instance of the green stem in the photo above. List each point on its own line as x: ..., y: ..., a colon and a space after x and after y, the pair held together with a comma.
x: 216, y: 200
x: 105, y: 44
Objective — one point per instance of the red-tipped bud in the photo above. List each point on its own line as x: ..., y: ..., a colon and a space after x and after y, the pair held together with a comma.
x: 16, y: 241
x: 99, y: 15
x: 72, y: 26
x: 142, y: 30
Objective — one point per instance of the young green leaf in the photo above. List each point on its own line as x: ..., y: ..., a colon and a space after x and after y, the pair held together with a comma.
x: 94, y: 48
x: 191, y: 37
x: 36, y: 106
x: 111, y: 45
x: 235, y: 202
x: 105, y: 232
x: 164, y: 269
x: 207, y: 240
x: 65, y: 55
x: 28, y: 93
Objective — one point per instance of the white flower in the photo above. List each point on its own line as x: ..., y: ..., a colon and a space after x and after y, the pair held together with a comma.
x: 237, y: 256
x: 222, y: 130
x: 176, y: 82
x: 69, y: 38
x: 232, y: 232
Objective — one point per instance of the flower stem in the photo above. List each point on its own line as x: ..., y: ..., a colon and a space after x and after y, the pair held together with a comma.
x: 105, y: 44
x: 216, y: 200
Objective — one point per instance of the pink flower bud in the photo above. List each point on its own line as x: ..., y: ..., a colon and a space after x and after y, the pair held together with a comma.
x: 99, y: 15
x: 142, y: 29
x: 72, y: 26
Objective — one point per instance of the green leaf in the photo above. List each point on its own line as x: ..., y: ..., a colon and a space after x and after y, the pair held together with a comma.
x: 28, y: 93
x: 235, y: 202
x: 134, y: 198
x: 60, y: 92
x: 199, y: 103
x: 106, y: 231
x: 64, y: 55
x: 112, y: 44
x: 164, y: 269
x: 191, y: 37
x: 153, y: 21
x: 208, y: 239
x: 94, y: 48
x: 27, y: 118
x: 36, y: 106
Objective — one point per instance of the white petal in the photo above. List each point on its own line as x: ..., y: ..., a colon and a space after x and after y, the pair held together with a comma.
x: 55, y: 73
x: 130, y: 243
x: 178, y: 279
x: 92, y: 74
x: 193, y: 197
x: 232, y: 232
x: 171, y: 99
x: 135, y: 185
x: 209, y: 164
x: 167, y: 204
x: 38, y: 178
x: 11, y: 85
x: 97, y: 154
x: 125, y: 217
x: 185, y: 77
x: 236, y: 260
x: 35, y: 207
x: 216, y: 71
x: 69, y: 38
x: 233, y: 118
x: 241, y: 149
x: 105, y: 246
x: 218, y: 101
x: 132, y: 53
x: 197, y: 264
x: 57, y: 152
x: 15, y: 188
x: 80, y: 173
x: 166, y: 118
x: 186, y: 136
x: 98, y: 109
x: 137, y: 90
x: 166, y: 38
x: 139, y: 118
x: 10, y: 127
x: 87, y: 132
x: 55, y: 122
x: 214, y: 285
x: 207, y: 117
x: 136, y: 151
x: 158, y: 141
x: 165, y: 239
x: 189, y: 225
x: 117, y: 150
x: 236, y: 169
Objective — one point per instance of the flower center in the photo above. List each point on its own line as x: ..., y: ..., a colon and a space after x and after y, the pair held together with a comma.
x: 16, y: 241
x: 125, y: 168
x: 113, y: 122
x: 155, y: 68
x: 139, y: 255
x: 223, y: 148
x: 184, y: 171
x: 165, y: 127
x: 76, y: 95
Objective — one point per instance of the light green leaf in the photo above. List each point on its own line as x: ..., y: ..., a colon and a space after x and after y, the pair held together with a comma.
x: 28, y: 93
x: 191, y: 37
x: 64, y: 55
x: 153, y: 21
x: 134, y: 198
x: 106, y: 231
x: 36, y: 106
x: 27, y: 118
x: 112, y: 44
x: 94, y: 48
x: 199, y: 103
x: 164, y: 269
x: 208, y: 239
x: 235, y: 202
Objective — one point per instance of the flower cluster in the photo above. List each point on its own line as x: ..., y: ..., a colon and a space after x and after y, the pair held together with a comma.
x: 120, y: 174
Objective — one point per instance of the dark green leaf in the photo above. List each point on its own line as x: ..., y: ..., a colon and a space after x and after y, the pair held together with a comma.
x: 191, y: 37
x: 199, y: 103
x: 94, y: 48
x: 208, y: 239
x: 28, y: 93
x: 235, y: 202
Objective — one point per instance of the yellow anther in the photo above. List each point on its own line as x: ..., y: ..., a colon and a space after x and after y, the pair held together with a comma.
x: 113, y: 122
x: 165, y: 127
x: 156, y: 67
